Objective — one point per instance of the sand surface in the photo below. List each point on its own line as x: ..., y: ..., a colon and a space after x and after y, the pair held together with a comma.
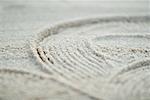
x: 74, y: 50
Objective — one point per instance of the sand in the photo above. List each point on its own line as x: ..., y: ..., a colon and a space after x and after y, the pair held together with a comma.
x: 101, y: 63
x: 100, y: 57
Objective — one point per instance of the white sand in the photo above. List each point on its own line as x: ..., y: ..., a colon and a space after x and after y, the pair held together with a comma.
x: 88, y: 59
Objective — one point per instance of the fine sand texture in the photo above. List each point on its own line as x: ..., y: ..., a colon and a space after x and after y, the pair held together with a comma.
x: 74, y: 50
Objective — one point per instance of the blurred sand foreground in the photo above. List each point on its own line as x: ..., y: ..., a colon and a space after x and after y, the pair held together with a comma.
x: 74, y: 50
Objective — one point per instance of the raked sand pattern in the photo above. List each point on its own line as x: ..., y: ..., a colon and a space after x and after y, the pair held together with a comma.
x: 89, y: 59
x: 104, y: 58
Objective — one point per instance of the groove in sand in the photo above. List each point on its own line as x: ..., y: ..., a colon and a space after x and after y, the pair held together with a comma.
x: 87, y: 59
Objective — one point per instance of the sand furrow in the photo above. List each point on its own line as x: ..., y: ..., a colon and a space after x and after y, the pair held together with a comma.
x: 102, y: 63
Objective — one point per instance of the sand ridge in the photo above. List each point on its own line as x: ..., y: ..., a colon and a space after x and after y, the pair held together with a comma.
x: 87, y: 53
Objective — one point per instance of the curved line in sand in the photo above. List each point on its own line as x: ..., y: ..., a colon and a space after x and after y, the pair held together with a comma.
x: 73, y: 57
